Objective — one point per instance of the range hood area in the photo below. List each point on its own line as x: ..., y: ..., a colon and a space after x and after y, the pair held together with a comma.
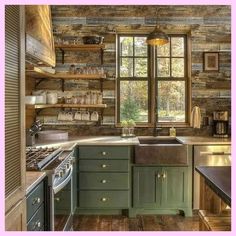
x: 107, y: 131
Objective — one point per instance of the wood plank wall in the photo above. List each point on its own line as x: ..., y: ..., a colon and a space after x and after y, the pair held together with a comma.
x: 210, y: 30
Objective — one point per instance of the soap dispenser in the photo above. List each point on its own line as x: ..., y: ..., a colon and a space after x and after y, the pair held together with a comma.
x: 172, y: 131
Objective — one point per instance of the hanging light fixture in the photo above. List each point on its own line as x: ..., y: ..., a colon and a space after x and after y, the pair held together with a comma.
x: 157, y: 37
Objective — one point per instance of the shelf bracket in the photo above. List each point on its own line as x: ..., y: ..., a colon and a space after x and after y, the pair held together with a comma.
x: 62, y: 85
x: 38, y: 82
x: 62, y: 55
x: 101, y: 56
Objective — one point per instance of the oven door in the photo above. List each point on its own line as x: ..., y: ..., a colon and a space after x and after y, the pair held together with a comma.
x: 62, y: 197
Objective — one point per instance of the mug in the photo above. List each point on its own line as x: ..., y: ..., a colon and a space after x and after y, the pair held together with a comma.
x: 94, y: 116
x: 85, y: 116
x: 78, y: 116
x: 69, y: 116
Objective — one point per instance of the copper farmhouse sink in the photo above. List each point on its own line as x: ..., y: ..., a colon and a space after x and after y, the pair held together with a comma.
x: 161, y: 151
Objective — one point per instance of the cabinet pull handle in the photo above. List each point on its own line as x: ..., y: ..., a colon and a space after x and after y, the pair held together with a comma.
x: 104, y: 153
x: 103, y: 181
x: 163, y: 175
x: 57, y: 199
x: 104, y: 166
x: 104, y: 199
x: 158, y: 175
x: 36, y: 200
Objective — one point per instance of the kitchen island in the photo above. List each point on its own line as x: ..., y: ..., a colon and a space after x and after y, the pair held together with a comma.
x: 215, y: 201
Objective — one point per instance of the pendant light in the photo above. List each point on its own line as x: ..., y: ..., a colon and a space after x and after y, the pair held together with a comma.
x: 157, y: 37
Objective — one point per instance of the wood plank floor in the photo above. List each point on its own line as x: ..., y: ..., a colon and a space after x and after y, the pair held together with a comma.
x: 140, y: 223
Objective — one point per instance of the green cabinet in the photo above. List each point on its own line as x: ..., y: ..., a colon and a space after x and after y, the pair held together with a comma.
x: 104, y: 177
x: 162, y: 188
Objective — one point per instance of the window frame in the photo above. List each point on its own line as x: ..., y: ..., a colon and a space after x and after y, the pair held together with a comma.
x: 133, y: 78
x: 170, y: 78
x: 152, y: 81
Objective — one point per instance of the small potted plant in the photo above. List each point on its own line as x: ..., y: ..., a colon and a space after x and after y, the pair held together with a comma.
x: 124, y: 125
x: 131, y: 125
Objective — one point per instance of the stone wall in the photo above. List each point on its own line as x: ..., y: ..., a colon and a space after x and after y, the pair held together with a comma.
x: 209, y: 28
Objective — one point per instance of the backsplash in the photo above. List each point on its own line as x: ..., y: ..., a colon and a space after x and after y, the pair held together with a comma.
x: 210, y: 30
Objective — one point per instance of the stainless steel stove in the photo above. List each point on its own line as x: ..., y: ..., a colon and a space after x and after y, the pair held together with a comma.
x: 39, y: 158
x: 58, y: 164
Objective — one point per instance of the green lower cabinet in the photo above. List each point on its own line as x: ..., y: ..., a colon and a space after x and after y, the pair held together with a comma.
x: 146, y: 187
x: 174, y: 187
x: 162, y: 188
x: 104, y: 199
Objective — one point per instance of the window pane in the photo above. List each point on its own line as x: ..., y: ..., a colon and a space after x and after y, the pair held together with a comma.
x: 163, y: 67
x: 171, y: 101
x: 140, y: 46
x: 126, y: 46
x: 177, y: 46
x: 140, y: 68
x: 126, y: 67
x: 177, y: 67
x: 163, y: 50
x: 134, y: 100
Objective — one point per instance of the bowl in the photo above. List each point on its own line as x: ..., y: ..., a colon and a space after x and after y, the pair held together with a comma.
x: 30, y: 100
x: 92, y: 39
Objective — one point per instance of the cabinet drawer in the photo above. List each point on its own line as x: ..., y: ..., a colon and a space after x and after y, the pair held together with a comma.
x: 104, y: 165
x: 104, y: 152
x: 35, y: 199
x: 104, y: 199
x: 37, y: 221
x: 104, y: 181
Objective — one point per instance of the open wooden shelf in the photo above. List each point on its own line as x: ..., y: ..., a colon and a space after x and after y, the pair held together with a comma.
x: 39, y: 106
x: 80, y: 47
x: 40, y: 74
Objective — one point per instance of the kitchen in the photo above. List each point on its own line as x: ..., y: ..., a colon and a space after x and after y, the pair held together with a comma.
x: 118, y: 118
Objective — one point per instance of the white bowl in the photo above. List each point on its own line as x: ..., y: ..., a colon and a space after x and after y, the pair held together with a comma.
x: 30, y: 100
x: 40, y: 99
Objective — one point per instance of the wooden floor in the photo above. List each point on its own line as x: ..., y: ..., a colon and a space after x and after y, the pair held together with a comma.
x: 140, y: 223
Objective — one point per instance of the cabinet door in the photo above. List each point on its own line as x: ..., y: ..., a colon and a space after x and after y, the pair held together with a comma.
x: 15, y: 220
x: 146, y: 187
x: 174, y: 187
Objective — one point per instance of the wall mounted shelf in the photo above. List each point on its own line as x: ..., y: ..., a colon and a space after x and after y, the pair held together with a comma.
x: 80, y: 47
x: 40, y: 74
x: 43, y: 106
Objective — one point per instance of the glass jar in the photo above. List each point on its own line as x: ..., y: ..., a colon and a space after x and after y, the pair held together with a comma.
x: 68, y: 100
x: 125, y: 132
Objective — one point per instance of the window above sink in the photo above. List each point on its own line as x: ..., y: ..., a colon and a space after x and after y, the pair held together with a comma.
x: 153, y: 81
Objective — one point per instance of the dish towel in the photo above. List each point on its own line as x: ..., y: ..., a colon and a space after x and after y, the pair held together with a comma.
x: 195, y: 120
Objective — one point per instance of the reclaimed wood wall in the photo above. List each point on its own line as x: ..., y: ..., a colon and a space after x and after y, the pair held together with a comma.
x: 209, y: 28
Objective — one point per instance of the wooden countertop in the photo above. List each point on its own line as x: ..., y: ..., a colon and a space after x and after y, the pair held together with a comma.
x: 33, y: 178
x: 219, y: 179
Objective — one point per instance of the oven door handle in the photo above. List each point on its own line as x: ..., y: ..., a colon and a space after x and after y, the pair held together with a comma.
x: 60, y: 186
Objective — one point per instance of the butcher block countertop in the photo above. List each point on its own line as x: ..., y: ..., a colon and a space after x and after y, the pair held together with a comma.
x: 33, y: 178
x: 219, y: 179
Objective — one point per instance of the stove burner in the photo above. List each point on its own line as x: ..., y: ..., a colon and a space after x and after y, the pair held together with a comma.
x: 38, y: 158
